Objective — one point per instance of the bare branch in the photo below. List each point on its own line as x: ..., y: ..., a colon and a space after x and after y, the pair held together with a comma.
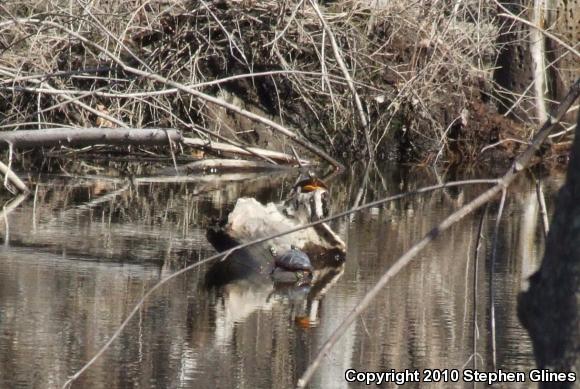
x: 348, y: 78
x: 222, y: 147
x: 13, y: 178
x: 88, y: 136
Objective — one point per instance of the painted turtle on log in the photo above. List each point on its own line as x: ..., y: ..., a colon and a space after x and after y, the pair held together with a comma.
x: 293, y: 259
x: 291, y: 266
x: 310, y: 183
x: 308, y: 200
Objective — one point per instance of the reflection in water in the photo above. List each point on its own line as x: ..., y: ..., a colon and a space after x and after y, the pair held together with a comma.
x: 72, y: 267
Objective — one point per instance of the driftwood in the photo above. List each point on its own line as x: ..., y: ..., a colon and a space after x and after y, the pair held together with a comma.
x: 88, y: 136
x: 13, y: 178
x: 221, y: 166
x: 249, y: 151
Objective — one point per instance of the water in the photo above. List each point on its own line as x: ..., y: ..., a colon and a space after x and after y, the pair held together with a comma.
x: 79, y: 254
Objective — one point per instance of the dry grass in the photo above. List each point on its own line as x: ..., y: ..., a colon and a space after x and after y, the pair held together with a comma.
x: 415, y: 65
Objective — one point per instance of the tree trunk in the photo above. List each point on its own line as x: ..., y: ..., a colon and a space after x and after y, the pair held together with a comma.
x: 550, y: 309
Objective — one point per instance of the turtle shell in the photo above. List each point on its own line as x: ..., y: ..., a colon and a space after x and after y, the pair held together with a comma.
x: 294, y: 259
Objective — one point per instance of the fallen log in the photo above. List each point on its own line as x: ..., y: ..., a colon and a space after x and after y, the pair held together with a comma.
x: 88, y: 136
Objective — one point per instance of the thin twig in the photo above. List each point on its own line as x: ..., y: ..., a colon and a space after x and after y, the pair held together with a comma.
x: 348, y: 78
x: 281, y: 34
x: 491, y: 280
x: 501, y: 142
x: 333, y: 78
x: 543, y: 209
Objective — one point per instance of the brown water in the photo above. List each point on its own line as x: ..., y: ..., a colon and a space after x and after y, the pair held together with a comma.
x: 78, y: 254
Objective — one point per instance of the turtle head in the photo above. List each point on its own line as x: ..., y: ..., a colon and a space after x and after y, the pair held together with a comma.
x: 273, y: 251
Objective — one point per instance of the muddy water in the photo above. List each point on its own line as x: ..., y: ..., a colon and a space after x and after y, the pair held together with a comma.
x: 78, y: 255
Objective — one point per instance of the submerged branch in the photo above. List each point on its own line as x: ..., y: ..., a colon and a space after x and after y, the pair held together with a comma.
x: 247, y: 151
x: 13, y: 178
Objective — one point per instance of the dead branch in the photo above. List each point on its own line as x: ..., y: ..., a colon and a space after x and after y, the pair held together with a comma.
x: 88, y: 136
x: 345, y: 72
x: 13, y: 178
x: 543, y: 208
x: 54, y: 91
x: 226, y: 165
x: 226, y: 148
x: 518, y: 165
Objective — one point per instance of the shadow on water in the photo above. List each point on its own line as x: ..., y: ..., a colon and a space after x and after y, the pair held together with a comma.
x: 79, y: 254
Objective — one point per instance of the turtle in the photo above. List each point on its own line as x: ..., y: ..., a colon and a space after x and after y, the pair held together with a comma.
x: 292, y: 260
x: 309, y: 183
x: 309, y: 199
x: 291, y: 267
